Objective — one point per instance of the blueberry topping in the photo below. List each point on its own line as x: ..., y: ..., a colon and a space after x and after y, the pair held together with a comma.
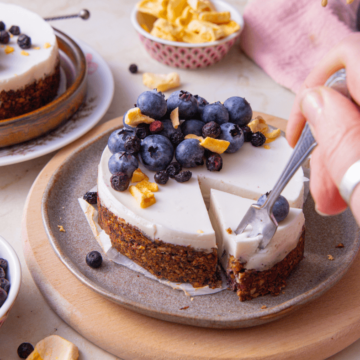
x: 5, y: 284
x: 184, y: 176
x: 161, y: 177
x: 90, y: 197
x: 94, y: 259
x: 215, y: 112
x: 120, y: 181
x: 2, y: 273
x: 2, y: 25
x: 24, y: 350
x: 189, y: 153
x: 176, y: 138
x: 232, y: 133
x: 280, y: 209
x: 123, y: 162
x: 156, y: 152
x: 133, y: 68
x: 4, y: 37
x: 156, y: 127
x: 258, y: 139
x: 116, y: 142
x: 201, y: 103
x: 192, y: 127
x: 3, y: 296
x: 132, y: 145
x: 186, y: 102
x: 4, y: 264
x: 142, y: 131
x: 174, y: 135
x: 247, y: 133
x: 24, y: 41
x: 173, y: 169
x: 239, y: 109
x: 214, y: 162
x: 152, y: 103
x: 15, y: 30
x: 211, y: 129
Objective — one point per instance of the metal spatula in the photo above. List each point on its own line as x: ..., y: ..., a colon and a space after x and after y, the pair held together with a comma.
x: 261, y: 218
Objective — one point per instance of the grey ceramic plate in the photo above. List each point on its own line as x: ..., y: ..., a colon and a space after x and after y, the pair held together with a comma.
x: 315, y: 274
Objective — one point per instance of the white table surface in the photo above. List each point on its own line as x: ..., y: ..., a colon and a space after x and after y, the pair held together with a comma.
x: 109, y: 31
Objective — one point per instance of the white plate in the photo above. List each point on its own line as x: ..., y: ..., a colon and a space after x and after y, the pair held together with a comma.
x: 100, y: 91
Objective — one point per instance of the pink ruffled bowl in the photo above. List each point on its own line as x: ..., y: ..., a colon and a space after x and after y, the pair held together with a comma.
x: 184, y: 55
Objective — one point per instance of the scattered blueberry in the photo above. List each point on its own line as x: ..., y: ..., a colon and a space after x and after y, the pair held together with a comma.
x: 156, y: 127
x: 174, y: 135
x: 184, y: 176
x: 201, y: 103
x: 186, y: 102
x: 211, y: 129
x: 24, y: 350
x: 123, y: 162
x: 215, y: 112
x: 120, y: 181
x: 247, y: 133
x: 156, y: 152
x: 90, y: 197
x: 5, y: 284
x: 214, y: 162
x: 2, y: 273
x: 173, y: 169
x: 142, y: 131
x: 133, y: 68
x: 3, y: 296
x: 161, y: 177
x: 189, y: 153
x: 94, y: 259
x: 4, y: 264
x: 4, y: 37
x: 280, y: 209
x: 15, y: 30
x: 2, y: 25
x: 152, y: 103
x: 239, y: 109
x: 132, y: 145
x: 232, y: 133
x: 192, y: 127
x: 116, y: 142
x: 24, y: 41
x: 258, y: 139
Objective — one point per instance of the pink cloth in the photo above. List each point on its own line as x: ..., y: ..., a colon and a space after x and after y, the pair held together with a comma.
x: 287, y: 38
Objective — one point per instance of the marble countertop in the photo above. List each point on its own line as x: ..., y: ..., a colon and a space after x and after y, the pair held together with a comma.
x: 109, y: 31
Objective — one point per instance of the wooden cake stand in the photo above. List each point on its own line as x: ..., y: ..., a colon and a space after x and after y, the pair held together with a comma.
x: 316, y: 331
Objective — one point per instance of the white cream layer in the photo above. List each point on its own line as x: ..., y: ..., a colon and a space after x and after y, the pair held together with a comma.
x: 226, y: 211
x: 16, y: 70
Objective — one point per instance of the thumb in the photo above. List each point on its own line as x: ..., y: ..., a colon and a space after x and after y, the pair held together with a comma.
x: 335, y: 122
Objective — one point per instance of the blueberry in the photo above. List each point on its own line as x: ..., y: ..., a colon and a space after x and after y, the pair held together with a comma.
x: 5, y: 284
x: 173, y: 169
x: 174, y: 135
x: 189, y: 153
x: 152, y: 103
x: 133, y: 68
x: 123, y: 162
x: 4, y: 37
x: 214, y: 162
x: 211, y: 129
x: 192, y: 127
x: 94, y: 259
x: 3, y: 296
x: 24, y: 350
x: 239, y: 109
x: 15, y: 30
x: 184, y: 176
x: 120, y: 181
x: 201, y: 103
x: 24, y: 41
x: 2, y: 273
x: 3, y: 264
x: 232, y: 133
x: 280, y: 209
x: 116, y: 142
x: 156, y: 152
x: 132, y: 145
x: 2, y: 25
x: 247, y: 133
x: 90, y: 197
x: 215, y: 112
x: 186, y: 102
x: 258, y: 139
x: 161, y: 177
x: 142, y: 131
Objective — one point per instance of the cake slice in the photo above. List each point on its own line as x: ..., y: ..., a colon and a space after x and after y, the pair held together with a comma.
x: 251, y: 271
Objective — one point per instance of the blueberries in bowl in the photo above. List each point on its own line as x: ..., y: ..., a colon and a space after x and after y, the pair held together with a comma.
x: 280, y: 209
x: 152, y: 103
x: 4, y: 283
x: 232, y: 133
x: 192, y: 127
x: 189, y: 153
x: 116, y: 142
x: 156, y: 152
x: 123, y: 162
x: 176, y: 136
x: 239, y: 109
x: 215, y: 112
x: 201, y: 103
x: 186, y: 102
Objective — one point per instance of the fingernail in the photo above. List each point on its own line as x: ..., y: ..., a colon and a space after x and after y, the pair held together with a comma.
x: 319, y: 212
x: 311, y: 105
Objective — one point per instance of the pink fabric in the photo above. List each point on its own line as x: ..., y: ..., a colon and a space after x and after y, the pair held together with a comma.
x: 287, y: 38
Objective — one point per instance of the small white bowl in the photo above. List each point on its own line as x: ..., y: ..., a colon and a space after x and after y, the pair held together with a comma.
x: 13, y: 275
x: 185, y: 55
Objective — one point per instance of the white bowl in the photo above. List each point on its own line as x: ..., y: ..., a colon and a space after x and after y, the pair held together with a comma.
x: 13, y: 275
x: 185, y: 55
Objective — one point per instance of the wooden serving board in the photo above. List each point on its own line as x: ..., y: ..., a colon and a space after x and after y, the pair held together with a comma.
x: 316, y: 331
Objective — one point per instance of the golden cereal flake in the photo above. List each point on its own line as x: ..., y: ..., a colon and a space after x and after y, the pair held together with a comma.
x: 267, y: 147
x: 174, y: 117
x: 47, y: 45
x: 138, y: 176
x: 145, y: 27
x: 259, y: 124
x: 36, y: 47
x: 145, y: 186
x: 215, y: 17
x: 229, y: 231
x: 161, y: 82
x: 144, y: 199
x: 134, y: 117
x: 9, y: 49
x: 199, y: 231
x: 192, y: 136
x: 24, y: 53
x: 330, y: 257
x: 215, y: 145
x: 263, y: 307
x: 156, y: 8
x: 61, y: 228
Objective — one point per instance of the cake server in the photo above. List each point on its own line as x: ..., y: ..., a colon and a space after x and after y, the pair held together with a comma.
x: 261, y: 218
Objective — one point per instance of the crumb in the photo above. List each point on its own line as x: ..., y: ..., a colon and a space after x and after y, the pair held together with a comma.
x: 283, y: 292
x: 263, y: 307
x: 229, y: 231
x: 267, y: 147
x: 200, y: 232
x: 36, y: 47
x: 330, y: 257
x: 340, y: 246
x: 47, y: 45
x: 184, y: 308
x: 191, y: 299
x: 61, y: 228
x: 24, y: 53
